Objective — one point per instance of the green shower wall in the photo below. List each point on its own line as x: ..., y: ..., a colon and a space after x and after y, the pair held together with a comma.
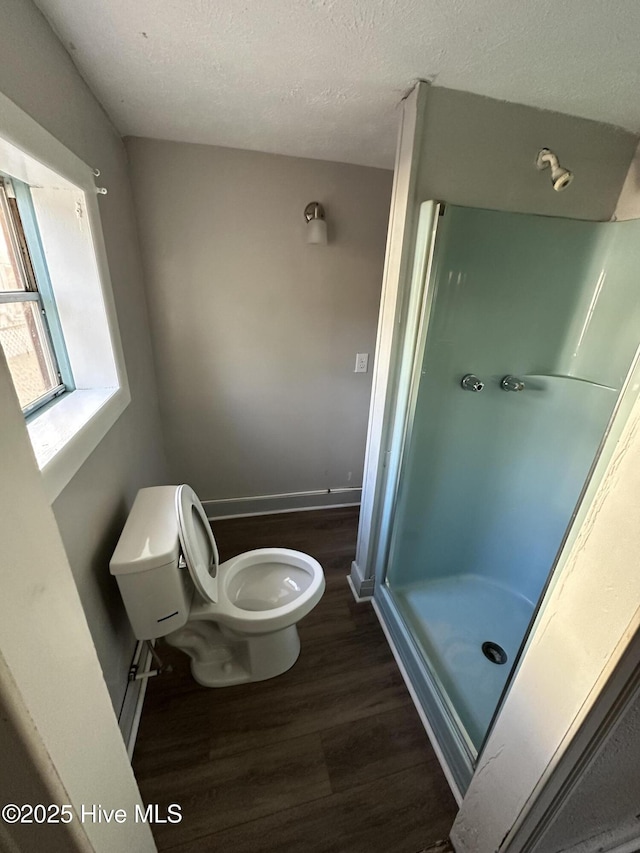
x: 489, y: 480
x: 605, y: 328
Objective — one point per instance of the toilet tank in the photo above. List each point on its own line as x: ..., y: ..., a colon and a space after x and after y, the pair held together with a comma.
x: 157, y: 593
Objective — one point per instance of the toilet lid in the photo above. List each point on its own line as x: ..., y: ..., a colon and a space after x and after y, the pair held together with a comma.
x: 198, y: 543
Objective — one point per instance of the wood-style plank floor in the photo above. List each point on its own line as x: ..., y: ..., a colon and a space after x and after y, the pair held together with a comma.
x: 328, y: 758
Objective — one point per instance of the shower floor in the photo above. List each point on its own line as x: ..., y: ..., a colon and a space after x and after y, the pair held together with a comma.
x: 451, y: 618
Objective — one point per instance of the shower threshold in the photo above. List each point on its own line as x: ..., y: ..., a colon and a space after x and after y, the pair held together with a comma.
x: 450, y: 619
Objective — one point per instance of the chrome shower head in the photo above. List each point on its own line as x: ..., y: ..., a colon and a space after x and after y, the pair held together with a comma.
x: 560, y: 177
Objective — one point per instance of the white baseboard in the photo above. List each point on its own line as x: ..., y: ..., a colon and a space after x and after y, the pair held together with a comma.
x: 288, y: 502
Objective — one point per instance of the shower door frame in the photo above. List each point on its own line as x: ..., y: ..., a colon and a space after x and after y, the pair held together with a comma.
x: 446, y: 732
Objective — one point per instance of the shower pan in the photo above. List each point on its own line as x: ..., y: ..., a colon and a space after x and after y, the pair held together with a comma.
x: 519, y: 336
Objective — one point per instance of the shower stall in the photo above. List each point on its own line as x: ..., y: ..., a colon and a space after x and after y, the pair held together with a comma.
x: 520, y: 334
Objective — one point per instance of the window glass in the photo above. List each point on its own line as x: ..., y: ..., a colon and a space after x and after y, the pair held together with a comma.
x: 30, y: 362
x: 24, y: 333
x: 10, y: 269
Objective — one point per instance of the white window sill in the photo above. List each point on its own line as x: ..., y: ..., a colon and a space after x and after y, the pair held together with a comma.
x: 65, y: 434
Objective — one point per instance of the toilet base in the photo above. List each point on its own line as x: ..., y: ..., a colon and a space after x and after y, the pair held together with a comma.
x: 221, y: 657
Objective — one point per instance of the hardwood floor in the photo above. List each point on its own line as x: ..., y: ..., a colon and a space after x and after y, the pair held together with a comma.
x: 328, y: 758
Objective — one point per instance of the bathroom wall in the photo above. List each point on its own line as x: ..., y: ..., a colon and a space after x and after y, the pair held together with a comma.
x: 38, y: 75
x: 256, y: 332
x: 481, y: 152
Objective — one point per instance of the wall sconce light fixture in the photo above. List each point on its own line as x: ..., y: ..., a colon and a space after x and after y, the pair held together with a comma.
x: 316, y: 225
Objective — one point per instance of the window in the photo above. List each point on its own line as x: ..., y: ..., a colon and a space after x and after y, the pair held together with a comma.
x: 39, y: 369
x: 58, y: 327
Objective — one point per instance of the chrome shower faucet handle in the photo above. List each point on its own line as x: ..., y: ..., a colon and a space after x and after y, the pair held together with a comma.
x: 512, y: 383
x: 472, y: 383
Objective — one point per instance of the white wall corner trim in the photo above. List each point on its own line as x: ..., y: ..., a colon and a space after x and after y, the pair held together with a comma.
x: 361, y: 586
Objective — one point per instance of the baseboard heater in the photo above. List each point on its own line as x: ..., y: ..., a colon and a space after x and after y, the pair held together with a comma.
x: 131, y: 709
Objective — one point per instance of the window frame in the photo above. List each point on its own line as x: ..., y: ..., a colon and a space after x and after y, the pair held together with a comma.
x: 66, y: 431
x: 37, y: 285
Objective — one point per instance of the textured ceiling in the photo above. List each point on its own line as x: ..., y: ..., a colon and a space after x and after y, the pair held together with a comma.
x: 322, y: 78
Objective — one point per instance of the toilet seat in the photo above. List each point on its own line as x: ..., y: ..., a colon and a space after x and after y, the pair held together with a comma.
x: 198, y: 543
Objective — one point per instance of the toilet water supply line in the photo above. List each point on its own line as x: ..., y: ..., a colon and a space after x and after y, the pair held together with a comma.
x: 134, y: 675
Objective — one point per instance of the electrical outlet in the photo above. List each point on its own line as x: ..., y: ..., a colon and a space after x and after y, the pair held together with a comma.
x: 362, y: 362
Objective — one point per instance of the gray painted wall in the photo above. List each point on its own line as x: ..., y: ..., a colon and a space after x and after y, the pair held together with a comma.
x: 39, y: 76
x: 481, y: 152
x: 256, y: 332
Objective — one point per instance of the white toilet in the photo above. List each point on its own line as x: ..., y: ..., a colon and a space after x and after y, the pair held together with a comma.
x: 237, y: 619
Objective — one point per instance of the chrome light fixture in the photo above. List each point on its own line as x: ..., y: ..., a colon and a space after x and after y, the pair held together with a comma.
x: 316, y: 225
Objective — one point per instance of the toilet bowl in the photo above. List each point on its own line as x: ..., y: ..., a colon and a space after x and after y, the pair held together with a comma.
x: 236, y: 620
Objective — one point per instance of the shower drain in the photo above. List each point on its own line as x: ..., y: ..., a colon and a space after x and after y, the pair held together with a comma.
x: 494, y: 652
